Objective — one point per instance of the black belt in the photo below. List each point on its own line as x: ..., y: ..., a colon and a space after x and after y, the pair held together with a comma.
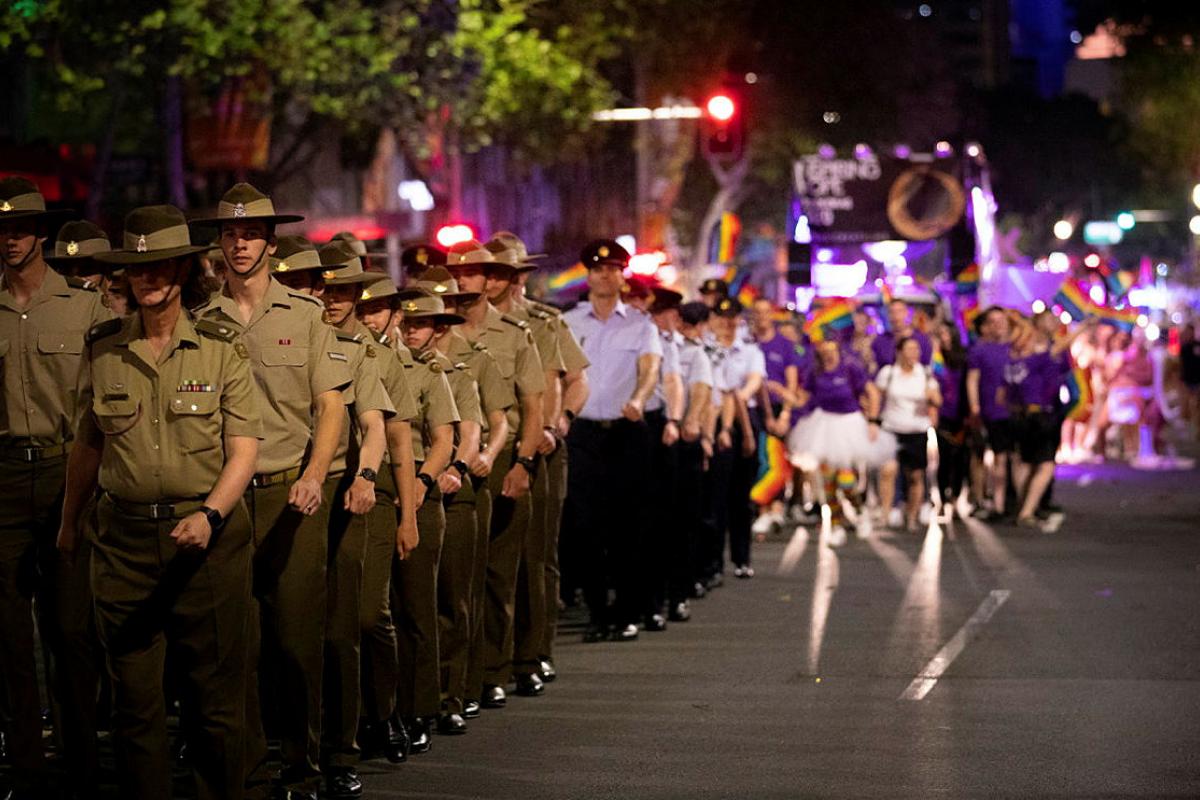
x: 31, y: 454
x: 603, y: 424
x: 264, y: 479
x: 175, y: 509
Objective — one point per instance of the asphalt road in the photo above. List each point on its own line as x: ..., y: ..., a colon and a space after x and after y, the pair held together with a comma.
x: 1069, y: 668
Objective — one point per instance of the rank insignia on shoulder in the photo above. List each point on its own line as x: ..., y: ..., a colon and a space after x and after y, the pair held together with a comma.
x: 520, y: 323
x: 336, y: 356
x: 216, y: 330
x: 348, y: 337
x: 461, y: 365
x: 103, y: 329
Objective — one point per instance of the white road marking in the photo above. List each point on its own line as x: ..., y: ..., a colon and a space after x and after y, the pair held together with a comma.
x: 928, y: 677
x: 793, y: 552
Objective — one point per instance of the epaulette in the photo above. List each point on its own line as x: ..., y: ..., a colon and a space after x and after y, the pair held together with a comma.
x: 546, y: 308
x: 461, y: 365
x: 342, y: 336
x: 534, y: 311
x: 215, y: 330
x: 406, y: 356
x: 102, y: 330
x: 79, y: 283
x: 305, y: 297
x: 520, y: 323
x: 479, y: 347
x: 429, y: 359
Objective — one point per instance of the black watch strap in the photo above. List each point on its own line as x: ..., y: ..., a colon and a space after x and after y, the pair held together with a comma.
x: 425, y: 478
x: 528, y: 462
x: 215, y: 520
x: 461, y: 466
x: 368, y: 474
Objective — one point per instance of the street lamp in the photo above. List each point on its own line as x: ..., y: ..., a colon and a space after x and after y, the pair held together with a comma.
x: 1196, y: 195
x: 1194, y: 225
x: 1063, y: 230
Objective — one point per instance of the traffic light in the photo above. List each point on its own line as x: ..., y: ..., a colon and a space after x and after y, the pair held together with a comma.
x: 722, y: 137
x: 449, y: 235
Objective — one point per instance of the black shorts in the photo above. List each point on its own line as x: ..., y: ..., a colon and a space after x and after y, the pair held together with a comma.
x: 1001, y: 438
x: 911, y: 451
x: 1038, y: 436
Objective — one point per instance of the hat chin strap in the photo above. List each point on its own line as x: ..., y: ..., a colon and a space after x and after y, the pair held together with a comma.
x: 175, y: 284
x: 254, y: 268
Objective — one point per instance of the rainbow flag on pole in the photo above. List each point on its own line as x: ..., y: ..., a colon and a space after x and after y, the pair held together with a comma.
x: 1074, y: 301
x: 573, y: 278
x: 967, y: 310
x: 1125, y: 319
x: 728, y: 232
x: 1079, y: 393
x: 833, y: 317
x: 1119, y: 282
x: 967, y: 281
x: 938, y: 362
x: 774, y: 470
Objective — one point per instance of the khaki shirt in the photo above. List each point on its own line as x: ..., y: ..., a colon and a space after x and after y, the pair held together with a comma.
x: 435, y: 401
x: 42, y: 360
x: 294, y: 358
x: 510, y: 342
x: 494, y: 393
x: 464, y: 389
x: 574, y: 359
x: 164, y: 421
x: 368, y: 393
x: 544, y: 328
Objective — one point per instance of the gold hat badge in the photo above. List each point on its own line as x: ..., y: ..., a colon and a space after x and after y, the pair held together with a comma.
x: 72, y: 248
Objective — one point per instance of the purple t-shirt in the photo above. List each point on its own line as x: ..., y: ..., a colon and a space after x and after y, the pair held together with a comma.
x: 780, y: 353
x: 836, y: 391
x: 950, y: 385
x: 1036, y: 379
x: 990, y: 358
x: 884, y: 348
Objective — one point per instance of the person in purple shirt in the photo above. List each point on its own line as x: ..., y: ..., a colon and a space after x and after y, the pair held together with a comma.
x: 837, y: 436
x: 987, y: 402
x: 953, y: 453
x: 1038, y: 366
x: 883, y: 348
x: 783, y: 366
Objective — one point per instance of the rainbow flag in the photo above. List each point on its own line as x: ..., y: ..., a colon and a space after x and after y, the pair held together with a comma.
x: 1079, y: 391
x: 885, y: 294
x: 938, y: 362
x: 728, y: 232
x: 569, y: 279
x: 968, y: 310
x: 747, y: 294
x: 967, y: 281
x: 834, y: 316
x: 1124, y: 319
x: 1074, y: 301
x: 1119, y: 282
x: 774, y: 470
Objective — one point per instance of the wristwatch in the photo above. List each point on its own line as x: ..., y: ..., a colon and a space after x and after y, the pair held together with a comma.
x: 425, y: 478
x: 461, y: 466
x: 215, y: 520
x: 528, y: 462
x: 368, y: 474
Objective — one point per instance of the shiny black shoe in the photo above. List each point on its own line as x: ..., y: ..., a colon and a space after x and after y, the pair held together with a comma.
x: 680, y: 612
x: 625, y: 633
x: 304, y: 793
x: 714, y: 582
x: 595, y: 633
x: 419, y: 735
x: 179, y: 753
x: 530, y: 685
x: 654, y: 623
x: 546, y: 670
x: 698, y: 590
x: 343, y: 782
x: 3, y: 747
x: 471, y: 709
x: 397, y: 741
x: 494, y: 697
x: 451, y: 725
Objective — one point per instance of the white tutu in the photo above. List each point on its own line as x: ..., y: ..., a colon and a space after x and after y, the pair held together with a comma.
x: 837, y: 440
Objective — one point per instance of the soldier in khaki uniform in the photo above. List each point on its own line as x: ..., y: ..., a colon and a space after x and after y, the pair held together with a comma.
x: 414, y: 583
x: 171, y: 430
x: 384, y: 733
x: 355, y: 468
x: 511, y: 343
x: 43, y: 319
x: 572, y: 396
x: 496, y: 397
x: 300, y: 373
x: 425, y: 320
x: 529, y: 622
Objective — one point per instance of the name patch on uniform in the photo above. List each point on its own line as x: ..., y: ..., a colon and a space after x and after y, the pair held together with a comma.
x: 338, y: 356
x: 195, y: 386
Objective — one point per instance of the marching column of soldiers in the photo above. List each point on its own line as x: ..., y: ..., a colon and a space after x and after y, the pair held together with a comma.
x: 317, y: 516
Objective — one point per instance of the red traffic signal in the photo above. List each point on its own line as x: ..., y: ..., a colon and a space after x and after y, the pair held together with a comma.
x: 721, y: 107
x: 449, y: 235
